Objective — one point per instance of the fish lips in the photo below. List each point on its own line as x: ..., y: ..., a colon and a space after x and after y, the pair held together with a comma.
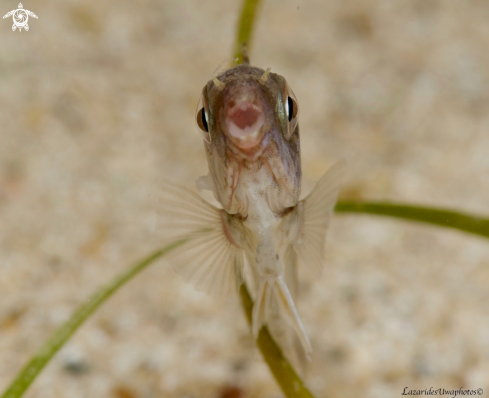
x: 244, y: 117
x: 245, y: 125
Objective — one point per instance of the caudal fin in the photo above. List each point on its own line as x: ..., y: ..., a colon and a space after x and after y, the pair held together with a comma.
x: 274, y: 300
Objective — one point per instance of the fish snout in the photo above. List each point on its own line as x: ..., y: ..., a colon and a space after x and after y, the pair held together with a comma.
x: 244, y: 124
x: 244, y: 117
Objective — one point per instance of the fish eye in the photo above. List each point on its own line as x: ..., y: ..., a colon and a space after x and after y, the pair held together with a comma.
x: 289, y: 108
x: 291, y: 111
x: 202, y: 120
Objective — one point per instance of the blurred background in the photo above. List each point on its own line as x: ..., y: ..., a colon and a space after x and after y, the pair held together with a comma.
x: 97, y: 106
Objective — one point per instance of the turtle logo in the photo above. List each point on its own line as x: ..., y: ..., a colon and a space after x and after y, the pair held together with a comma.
x: 20, y: 17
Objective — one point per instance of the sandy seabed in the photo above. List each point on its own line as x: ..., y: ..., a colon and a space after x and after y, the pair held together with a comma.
x: 97, y: 106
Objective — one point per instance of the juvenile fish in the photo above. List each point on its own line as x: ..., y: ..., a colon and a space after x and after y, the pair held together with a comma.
x: 249, y: 122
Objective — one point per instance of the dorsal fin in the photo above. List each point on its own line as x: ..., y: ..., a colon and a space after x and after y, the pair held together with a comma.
x: 244, y: 53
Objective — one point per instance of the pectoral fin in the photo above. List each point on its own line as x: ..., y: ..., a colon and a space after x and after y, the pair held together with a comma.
x: 212, y: 259
x: 316, y: 210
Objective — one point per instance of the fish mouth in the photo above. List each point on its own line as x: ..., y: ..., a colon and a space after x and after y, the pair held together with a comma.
x: 244, y: 124
x: 244, y: 116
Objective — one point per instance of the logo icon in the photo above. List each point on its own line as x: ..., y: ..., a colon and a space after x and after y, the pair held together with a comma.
x: 20, y: 17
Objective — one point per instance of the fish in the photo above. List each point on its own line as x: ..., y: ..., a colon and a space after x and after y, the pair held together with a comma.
x: 248, y: 119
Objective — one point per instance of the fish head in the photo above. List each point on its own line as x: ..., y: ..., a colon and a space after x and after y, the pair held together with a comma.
x: 247, y: 115
x: 244, y: 104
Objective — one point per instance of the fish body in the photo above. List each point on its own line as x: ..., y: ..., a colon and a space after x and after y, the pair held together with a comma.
x: 249, y: 121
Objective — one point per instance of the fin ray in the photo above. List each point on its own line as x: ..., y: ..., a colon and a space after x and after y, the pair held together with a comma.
x: 273, y: 292
x: 317, y: 209
x: 209, y: 260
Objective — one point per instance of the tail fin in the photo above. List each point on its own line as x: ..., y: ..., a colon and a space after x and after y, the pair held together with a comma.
x: 274, y: 298
x: 282, y: 333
